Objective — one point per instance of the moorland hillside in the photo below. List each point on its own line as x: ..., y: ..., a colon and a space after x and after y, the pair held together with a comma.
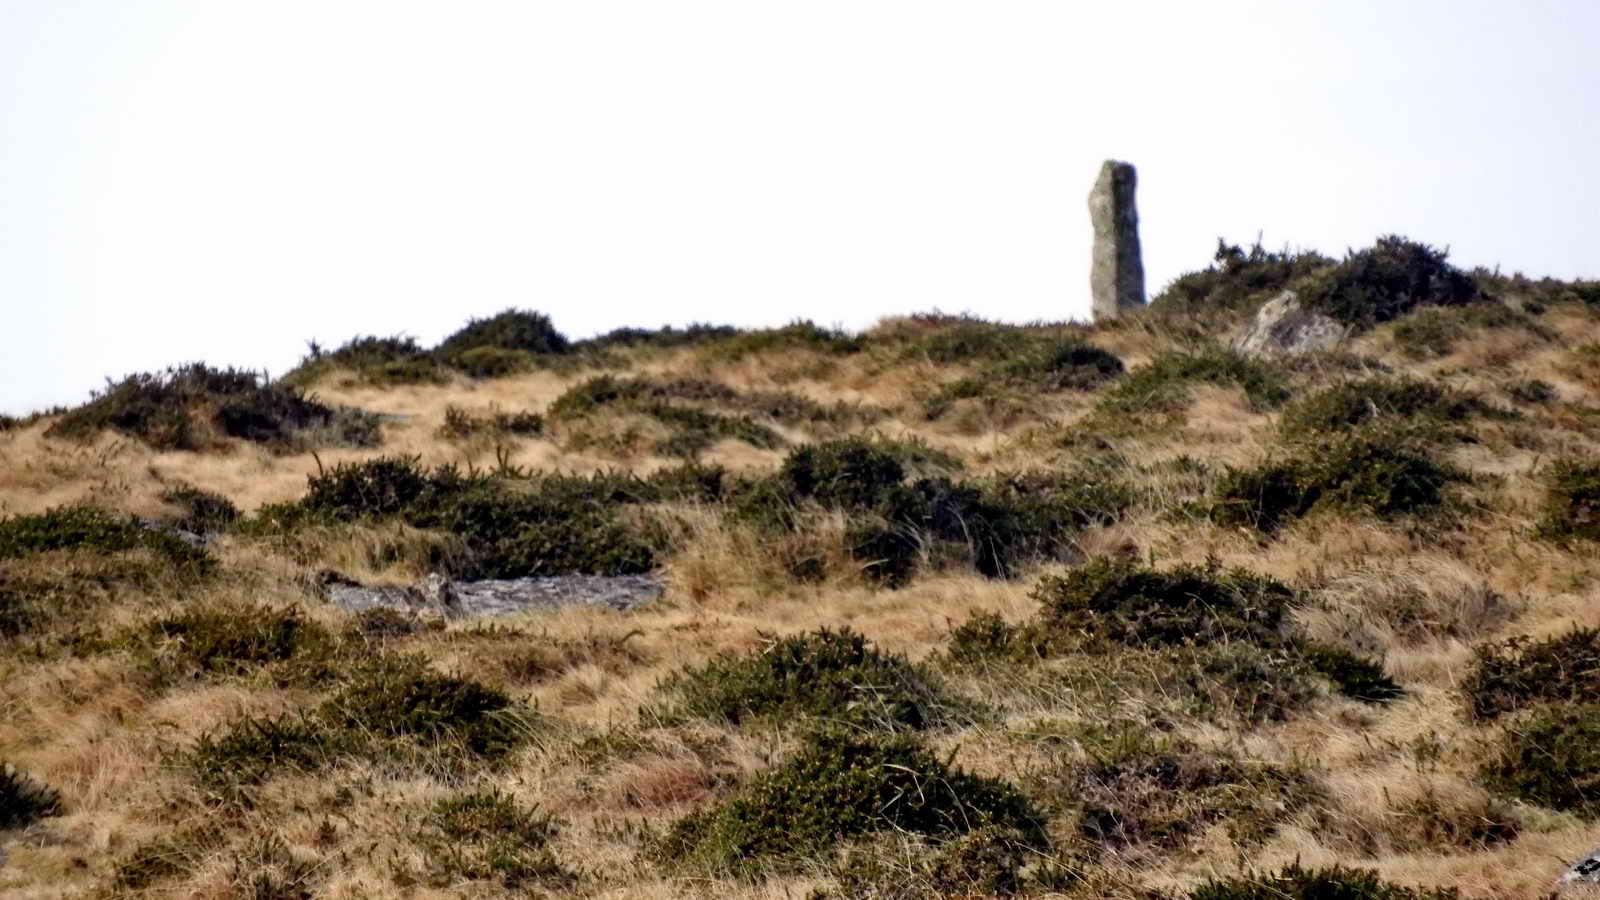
x: 947, y: 607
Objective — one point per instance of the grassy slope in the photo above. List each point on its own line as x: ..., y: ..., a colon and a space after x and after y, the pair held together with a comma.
x: 98, y: 728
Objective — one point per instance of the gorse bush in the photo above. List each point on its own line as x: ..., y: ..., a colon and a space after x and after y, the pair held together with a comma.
x: 1344, y: 406
x: 488, y: 836
x: 512, y: 329
x: 375, y: 360
x: 193, y: 407
x: 1572, y: 501
x: 556, y: 526
x: 838, y: 786
x: 820, y: 674
x: 667, y: 336
x: 24, y: 800
x: 693, y: 430
x: 1434, y: 331
x: 1296, y: 883
x: 1386, y: 281
x: 799, y: 335
x: 462, y: 425
x: 1236, y: 278
x: 1386, y: 473
x: 1508, y: 675
x: 1550, y: 757
x: 234, y: 639
x: 203, y: 512
x: 492, y: 362
x: 94, y: 530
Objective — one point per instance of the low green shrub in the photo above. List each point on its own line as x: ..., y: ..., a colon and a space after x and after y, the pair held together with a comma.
x: 802, y: 334
x: 512, y: 329
x: 232, y: 639
x: 850, y: 473
x: 1066, y: 365
x: 1354, y: 403
x: 24, y: 800
x: 1386, y: 281
x: 838, y: 786
x: 1572, y: 501
x: 835, y: 675
x: 1122, y: 602
x: 1385, y: 473
x: 694, y: 430
x: 488, y: 836
x: 176, y: 853
x: 203, y: 512
x: 253, y: 749
x: 1353, y: 676
x: 460, y: 425
x: 1162, y: 385
x: 375, y: 360
x: 985, y: 862
x: 667, y: 336
x: 1550, y: 757
x: 191, y: 407
x: 94, y: 530
x: 1334, y: 883
x: 1519, y: 671
x: 1236, y: 278
x: 400, y: 697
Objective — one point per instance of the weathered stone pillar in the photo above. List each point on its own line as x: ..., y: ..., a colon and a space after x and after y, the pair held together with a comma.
x: 1116, y: 279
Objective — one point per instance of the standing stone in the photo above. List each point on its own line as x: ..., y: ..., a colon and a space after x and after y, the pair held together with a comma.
x: 1116, y: 279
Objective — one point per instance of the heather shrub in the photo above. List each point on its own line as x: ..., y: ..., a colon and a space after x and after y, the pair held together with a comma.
x: 375, y: 360
x: 799, y: 335
x: 1432, y: 332
x: 203, y: 512
x: 1519, y: 671
x: 1572, y: 501
x: 1162, y: 385
x: 512, y: 329
x: 492, y: 362
x: 835, y: 675
x: 193, y: 407
x: 1550, y: 757
x: 485, y: 835
x: 838, y: 786
x: 1236, y: 278
x: 94, y: 530
x: 232, y: 639
x: 667, y: 336
x: 1354, y: 403
x: 1386, y: 281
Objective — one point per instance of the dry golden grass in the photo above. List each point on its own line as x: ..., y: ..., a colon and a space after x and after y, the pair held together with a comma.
x: 1417, y: 594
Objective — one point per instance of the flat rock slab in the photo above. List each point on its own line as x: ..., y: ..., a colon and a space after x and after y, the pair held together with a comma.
x: 471, y: 599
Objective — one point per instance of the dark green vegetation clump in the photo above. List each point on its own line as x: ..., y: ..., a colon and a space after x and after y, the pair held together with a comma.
x: 1384, y: 472
x: 1003, y: 522
x: 838, y: 786
x: 231, y: 640
x: 485, y: 835
x: 822, y: 674
x: 202, y: 512
x: 375, y: 360
x: 1386, y: 281
x: 1236, y: 278
x: 513, y: 329
x: 1551, y: 757
x: 667, y: 336
x: 802, y: 334
x: 388, y: 708
x: 462, y: 425
x: 551, y: 525
x: 1572, y: 501
x: 1519, y: 671
x: 93, y: 530
x: 23, y: 800
x: 1335, y: 883
x: 1219, y: 636
x: 1162, y: 386
x: 194, y: 407
x: 1353, y: 403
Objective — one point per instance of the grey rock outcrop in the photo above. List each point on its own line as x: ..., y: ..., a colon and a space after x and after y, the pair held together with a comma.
x: 1116, y: 275
x: 1284, y: 327
x: 438, y: 596
x: 1585, y: 871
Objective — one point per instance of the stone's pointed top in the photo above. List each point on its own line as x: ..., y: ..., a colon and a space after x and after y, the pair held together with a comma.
x: 1116, y: 278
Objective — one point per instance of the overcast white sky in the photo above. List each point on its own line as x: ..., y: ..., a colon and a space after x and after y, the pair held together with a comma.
x: 222, y: 180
